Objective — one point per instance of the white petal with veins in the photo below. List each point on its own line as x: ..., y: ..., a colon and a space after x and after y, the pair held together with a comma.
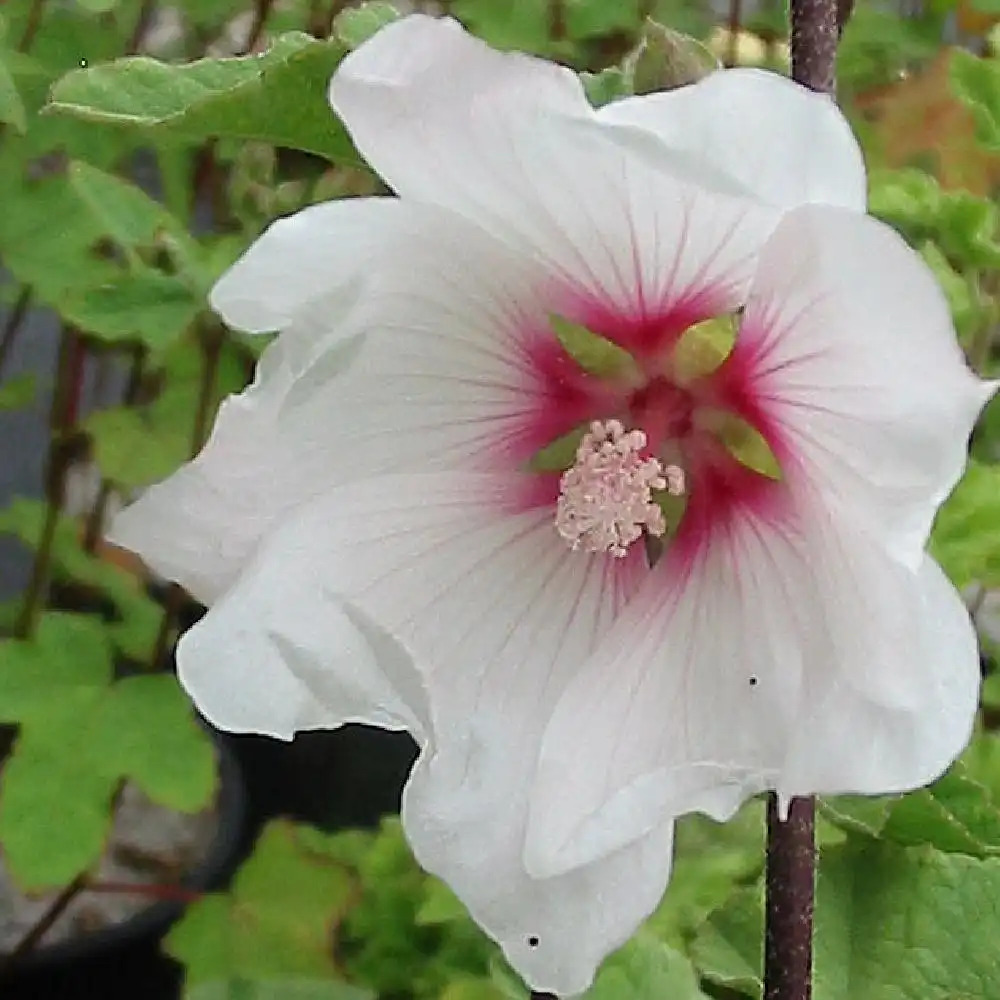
x: 496, y: 613
x: 793, y: 652
x: 778, y: 140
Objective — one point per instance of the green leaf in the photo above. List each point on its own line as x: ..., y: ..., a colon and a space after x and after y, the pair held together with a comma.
x: 976, y: 82
x: 710, y: 860
x: 138, y: 617
x: 892, y: 923
x: 68, y: 661
x: 905, y: 198
x: 51, y: 258
x: 728, y: 950
x: 956, y: 814
x: 357, y: 24
x: 609, y: 85
x: 81, y: 735
x: 859, y: 814
x: 507, y: 24
x: 150, y: 734
x: 129, y: 452
x: 440, y: 905
x: 138, y: 447
x: 473, y: 988
x: 18, y: 392
x: 275, y: 989
x: 596, y: 18
x: 146, y: 307
x: 277, y: 97
x: 646, y: 969
x: 123, y: 211
x: 966, y: 311
x: 981, y: 761
x: 962, y: 224
x: 383, y: 942
x: 665, y: 59
x: 595, y: 354
x: 11, y: 106
x: 966, y: 535
x: 277, y: 921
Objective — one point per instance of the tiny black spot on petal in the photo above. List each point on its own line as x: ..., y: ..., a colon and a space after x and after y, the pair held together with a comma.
x: 533, y: 941
x: 753, y: 682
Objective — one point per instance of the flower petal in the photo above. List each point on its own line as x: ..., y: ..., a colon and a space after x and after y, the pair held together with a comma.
x: 791, y: 652
x: 554, y: 931
x: 200, y: 525
x: 893, y: 749
x: 509, y: 142
x: 280, y: 654
x: 780, y: 141
x: 422, y: 81
x: 849, y: 355
x: 307, y: 256
x: 428, y: 375
x: 457, y: 334
x: 495, y: 612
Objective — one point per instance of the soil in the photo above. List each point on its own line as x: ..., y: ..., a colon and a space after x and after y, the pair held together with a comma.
x: 149, y: 844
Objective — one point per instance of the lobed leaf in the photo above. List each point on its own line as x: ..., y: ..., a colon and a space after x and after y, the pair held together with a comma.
x: 277, y: 97
x: 12, y: 110
x: 81, y: 735
x: 276, y: 922
x: 976, y: 82
x: 956, y: 814
x: 966, y: 535
x: 357, y: 24
x: 892, y: 923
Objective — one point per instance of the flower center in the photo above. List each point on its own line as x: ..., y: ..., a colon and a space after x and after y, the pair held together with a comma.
x: 606, y: 496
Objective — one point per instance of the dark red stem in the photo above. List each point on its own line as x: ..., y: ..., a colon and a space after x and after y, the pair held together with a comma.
x: 735, y: 26
x: 790, y: 894
x: 31, y: 940
x: 168, y: 893
x: 815, y: 33
x: 13, y: 324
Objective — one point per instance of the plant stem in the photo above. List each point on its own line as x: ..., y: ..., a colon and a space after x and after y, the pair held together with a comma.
x: 95, y: 518
x: 557, y: 20
x: 41, y: 927
x: 845, y: 8
x: 62, y: 419
x: 814, y: 43
x: 14, y: 320
x: 791, y: 878
x: 791, y: 844
x: 31, y: 25
x: 735, y: 26
x: 168, y: 893
x: 261, y: 12
x: 142, y: 23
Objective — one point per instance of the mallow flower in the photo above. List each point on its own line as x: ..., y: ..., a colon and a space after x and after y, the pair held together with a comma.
x: 601, y: 458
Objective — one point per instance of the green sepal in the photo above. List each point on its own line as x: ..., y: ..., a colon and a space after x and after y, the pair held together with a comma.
x: 595, y: 354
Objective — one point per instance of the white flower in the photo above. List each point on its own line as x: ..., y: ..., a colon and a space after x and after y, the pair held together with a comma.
x: 373, y: 545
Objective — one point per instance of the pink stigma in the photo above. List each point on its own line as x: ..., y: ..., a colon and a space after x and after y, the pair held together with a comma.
x: 606, y: 497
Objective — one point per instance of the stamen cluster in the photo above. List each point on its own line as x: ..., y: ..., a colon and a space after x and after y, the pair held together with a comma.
x: 606, y: 497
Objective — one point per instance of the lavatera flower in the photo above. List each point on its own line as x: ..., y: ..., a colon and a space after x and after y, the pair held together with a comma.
x: 601, y: 459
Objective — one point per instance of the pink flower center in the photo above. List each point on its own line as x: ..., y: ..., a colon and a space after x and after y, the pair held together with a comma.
x: 663, y: 410
x: 606, y: 497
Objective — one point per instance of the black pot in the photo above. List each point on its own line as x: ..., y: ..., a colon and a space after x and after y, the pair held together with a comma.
x: 123, y: 960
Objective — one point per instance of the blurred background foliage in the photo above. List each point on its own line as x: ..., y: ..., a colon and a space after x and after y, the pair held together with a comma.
x: 143, y: 146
